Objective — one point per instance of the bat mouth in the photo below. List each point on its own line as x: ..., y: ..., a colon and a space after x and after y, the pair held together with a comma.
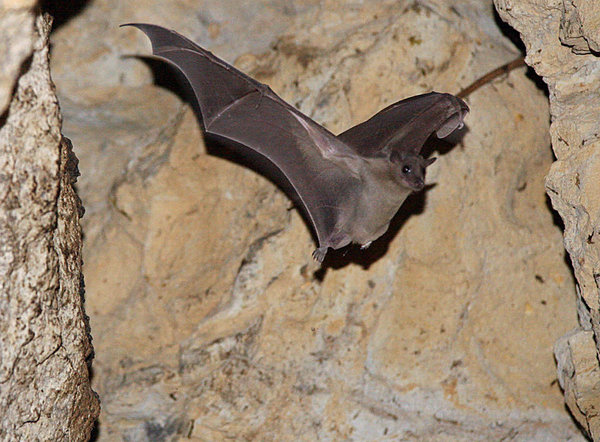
x: 417, y: 185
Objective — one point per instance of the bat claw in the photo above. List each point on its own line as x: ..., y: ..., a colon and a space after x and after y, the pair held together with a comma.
x: 319, y: 254
x: 365, y: 245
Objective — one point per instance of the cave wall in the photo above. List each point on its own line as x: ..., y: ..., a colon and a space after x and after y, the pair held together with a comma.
x: 210, y: 320
x: 45, y: 347
x: 562, y: 40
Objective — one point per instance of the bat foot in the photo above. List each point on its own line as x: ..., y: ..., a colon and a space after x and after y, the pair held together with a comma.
x: 365, y: 245
x: 319, y: 254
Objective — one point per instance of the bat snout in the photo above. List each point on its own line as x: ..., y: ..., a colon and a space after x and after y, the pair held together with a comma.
x: 418, y: 185
x: 415, y: 184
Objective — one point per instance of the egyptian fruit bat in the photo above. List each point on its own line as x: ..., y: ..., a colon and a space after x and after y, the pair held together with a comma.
x: 352, y: 184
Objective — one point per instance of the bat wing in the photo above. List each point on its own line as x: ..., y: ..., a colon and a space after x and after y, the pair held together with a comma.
x: 407, y: 124
x: 236, y: 107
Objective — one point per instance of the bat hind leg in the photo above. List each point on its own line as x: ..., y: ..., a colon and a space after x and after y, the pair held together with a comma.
x: 319, y: 254
x: 335, y: 241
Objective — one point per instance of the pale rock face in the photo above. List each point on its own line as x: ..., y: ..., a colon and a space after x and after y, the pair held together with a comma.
x: 17, y: 24
x: 570, y: 66
x: 45, y: 347
x: 210, y: 319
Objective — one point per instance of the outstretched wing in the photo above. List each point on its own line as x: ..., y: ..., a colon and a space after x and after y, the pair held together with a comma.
x: 239, y: 108
x: 407, y: 124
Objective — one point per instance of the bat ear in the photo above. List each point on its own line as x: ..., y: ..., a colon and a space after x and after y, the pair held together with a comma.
x: 430, y: 161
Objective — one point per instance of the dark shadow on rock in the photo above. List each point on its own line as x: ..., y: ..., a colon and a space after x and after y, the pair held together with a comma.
x: 514, y: 36
x: 62, y: 10
x: 558, y: 221
x: 555, y: 216
x: 95, y: 433
x: 584, y: 432
x: 168, y: 77
x: 23, y: 69
x: 508, y: 31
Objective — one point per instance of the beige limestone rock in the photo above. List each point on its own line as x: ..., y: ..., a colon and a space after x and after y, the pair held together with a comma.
x: 45, y: 391
x: 16, y: 22
x: 211, y: 321
x: 580, y: 26
x: 572, y: 184
x: 578, y: 374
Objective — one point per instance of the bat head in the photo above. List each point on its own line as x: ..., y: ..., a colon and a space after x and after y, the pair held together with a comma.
x: 409, y: 169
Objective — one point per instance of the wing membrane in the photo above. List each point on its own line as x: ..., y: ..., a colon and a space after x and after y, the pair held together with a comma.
x: 407, y: 124
x: 236, y: 107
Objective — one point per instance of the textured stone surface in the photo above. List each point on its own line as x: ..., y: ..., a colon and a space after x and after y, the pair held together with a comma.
x: 209, y: 318
x: 578, y: 374
x: 45, y: 390
x: 571, y: 71
x: 580, y: 26
x: 16, y: 22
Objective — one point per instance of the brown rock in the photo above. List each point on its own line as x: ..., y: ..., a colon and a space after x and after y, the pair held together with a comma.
x: 45, y: 389
x: 209, y: 319
x: 572, y: 183
x: 16, y: 22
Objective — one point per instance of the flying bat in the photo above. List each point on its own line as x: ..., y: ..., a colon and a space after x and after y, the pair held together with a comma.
x: 350, y: 185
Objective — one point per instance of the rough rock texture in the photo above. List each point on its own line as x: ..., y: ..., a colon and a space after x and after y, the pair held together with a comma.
x: 16, y: 22
x: 45, y: 391
x: 571, y: 67
x: 209, y: 317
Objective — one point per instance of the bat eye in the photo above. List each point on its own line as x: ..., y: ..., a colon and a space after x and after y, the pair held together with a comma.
x: 406, y: 169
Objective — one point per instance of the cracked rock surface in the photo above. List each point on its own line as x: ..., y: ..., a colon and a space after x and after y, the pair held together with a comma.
x: 45, y: 391
x: 562, y: 40
x: 211, y: 321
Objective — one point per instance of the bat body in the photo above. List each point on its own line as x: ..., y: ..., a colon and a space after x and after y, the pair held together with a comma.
x: 350, y: 185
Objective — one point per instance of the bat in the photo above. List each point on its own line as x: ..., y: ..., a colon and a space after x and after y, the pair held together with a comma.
x: 350, y: 185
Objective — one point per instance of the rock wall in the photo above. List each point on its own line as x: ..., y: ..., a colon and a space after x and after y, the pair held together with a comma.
x: 45, y: 391
x: 211, y: 321
x: 563, y: 43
